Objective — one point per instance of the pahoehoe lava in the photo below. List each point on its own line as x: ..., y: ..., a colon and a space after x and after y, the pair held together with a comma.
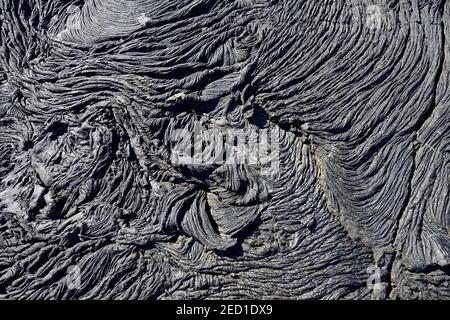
x: 93, y: 91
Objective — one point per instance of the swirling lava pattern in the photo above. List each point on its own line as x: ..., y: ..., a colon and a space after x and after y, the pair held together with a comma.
x: 91, y: 92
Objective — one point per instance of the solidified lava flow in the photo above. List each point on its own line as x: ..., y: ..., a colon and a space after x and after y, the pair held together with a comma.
x: 333, y: 179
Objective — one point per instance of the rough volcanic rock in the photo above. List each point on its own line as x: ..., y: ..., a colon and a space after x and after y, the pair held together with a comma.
x: 94, y: 202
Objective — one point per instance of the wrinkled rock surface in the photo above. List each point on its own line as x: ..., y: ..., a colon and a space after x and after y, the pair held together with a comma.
x: 93, y: 205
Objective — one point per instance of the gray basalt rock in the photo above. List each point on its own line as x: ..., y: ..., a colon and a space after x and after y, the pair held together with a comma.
x: 99, y: 99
